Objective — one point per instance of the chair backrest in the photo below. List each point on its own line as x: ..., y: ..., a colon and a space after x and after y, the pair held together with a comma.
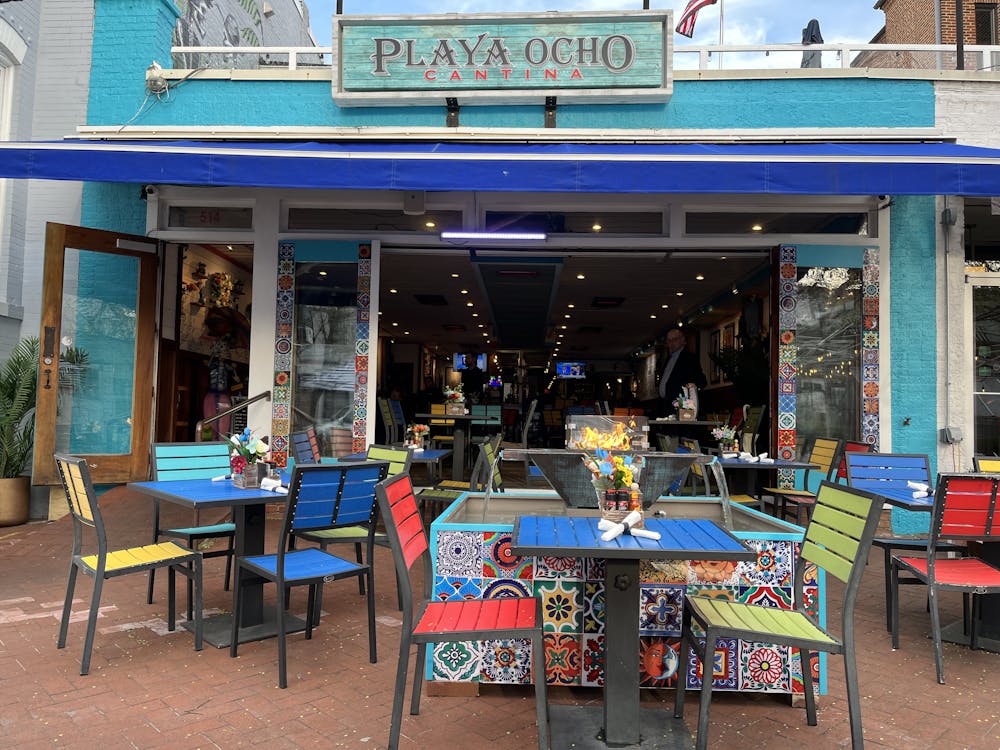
x: 405, y: 528
x: 388, y: 420
x: 965, y: 509
x: 736, y: 418
x: 825, y: 453
x: 838, y: 538
x: 851, y: 446
x: 305, y: 446
x: 691, y: 445
x: 328, y: 496
x: 986, y: 464
x: 751, y: 427
x: 490, y: 471
x: 440, y: 409
x: 886, y: 471
x: 398, y: 416
x: 526, y: 427
x: 175, y: 461
x: 82, y: 500
x: 398, y: 458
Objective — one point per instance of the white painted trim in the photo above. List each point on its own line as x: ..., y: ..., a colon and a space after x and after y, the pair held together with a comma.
x: 884, y: 244
x: 373, y: 362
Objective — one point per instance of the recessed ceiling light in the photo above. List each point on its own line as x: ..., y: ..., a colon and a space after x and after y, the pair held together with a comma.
x: 393, y: 291
x: 564, y: 327
x: 395, y: 324
x: 597, y: 227
x: 653, y: 316
x: 229, y: 248
x: 664, y: 307
x: 430, y: 224
x: 561, y: 335
x: 468, y: 304
x: 571, y: 305
x: 567, y: 316
x: 475, y: 315
x: 580, y: 276
x: 481, y: 325
x: 454, y: 276
x: 700, y: 277
x: 680, y: 294
x: 485, y: 334
x: 465, y: 291
x: 756, y: 227
x: 322, y: 273
x: 406, y: 333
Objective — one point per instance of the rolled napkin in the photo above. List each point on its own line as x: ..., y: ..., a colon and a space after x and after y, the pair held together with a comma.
x: 606, y: 525
x: 220, y: 478
x: 744, y: 456
x: 765, y: 460
x: 753, y: 459
x: 620, y: 528
x: 730, y: 455
x: 920, y: 489
x: 273, y: 485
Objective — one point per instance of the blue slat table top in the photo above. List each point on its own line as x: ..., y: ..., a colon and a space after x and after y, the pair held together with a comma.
x: 735, y: 463
x: 578, y: 536
x: 426, y: 456
x: 900, y: 497
x: 204, y: 493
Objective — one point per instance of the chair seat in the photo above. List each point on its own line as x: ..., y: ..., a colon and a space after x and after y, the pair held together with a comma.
x: 961, y: 571
x: 437, y: 495
x: 745, y: 620
x: 504, y: 617
x: 194, y: 532
x: 136, y: 558
x: 452, y: 484
x: 343, y: 533
x: 304, y: 564
x: 898, y: 542
x: 744, y: 499
x: 790, y: 492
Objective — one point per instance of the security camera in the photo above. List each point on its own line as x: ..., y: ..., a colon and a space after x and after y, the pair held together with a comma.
x: 882, y: 197
x: 149, y: 189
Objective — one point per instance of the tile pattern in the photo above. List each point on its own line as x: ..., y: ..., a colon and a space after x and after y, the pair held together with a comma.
x: 870, y: 348
x: 281, y: 393
x: 480, y: 563
x: 787, y: 358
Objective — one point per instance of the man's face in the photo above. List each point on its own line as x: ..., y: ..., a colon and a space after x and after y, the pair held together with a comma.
x: 675, y: 341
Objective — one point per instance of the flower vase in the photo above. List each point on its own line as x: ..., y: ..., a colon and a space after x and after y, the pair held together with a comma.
x: 687, y: 415
x: 454, y: 407
x: 250, y: 476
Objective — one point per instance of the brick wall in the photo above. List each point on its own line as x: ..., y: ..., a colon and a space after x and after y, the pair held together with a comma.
x: 909, y: 22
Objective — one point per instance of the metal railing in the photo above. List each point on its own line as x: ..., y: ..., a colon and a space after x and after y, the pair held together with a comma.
x: 199, y: 428
x: 930, y: 57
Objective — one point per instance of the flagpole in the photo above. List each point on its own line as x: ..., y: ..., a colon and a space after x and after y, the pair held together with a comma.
x: 722, y: 15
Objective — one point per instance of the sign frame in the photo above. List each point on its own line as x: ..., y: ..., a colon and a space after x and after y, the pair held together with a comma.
x: 438, y: 90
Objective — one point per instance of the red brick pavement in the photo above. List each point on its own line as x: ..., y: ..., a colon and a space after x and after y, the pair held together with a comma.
x: 148, y: 688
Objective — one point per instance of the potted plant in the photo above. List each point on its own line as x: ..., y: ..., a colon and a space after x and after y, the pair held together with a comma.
x: 18, y: 388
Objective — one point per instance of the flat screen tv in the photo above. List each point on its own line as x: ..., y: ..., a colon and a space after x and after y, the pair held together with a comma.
x: 459, y: 361
x: 571, y: 370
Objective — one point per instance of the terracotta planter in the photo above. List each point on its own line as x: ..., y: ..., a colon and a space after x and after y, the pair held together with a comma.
x: 15, y: 496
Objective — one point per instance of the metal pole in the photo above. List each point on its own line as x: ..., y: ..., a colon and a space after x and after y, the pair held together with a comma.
x: 959, y: 36
x: 340, y: 7
x: 722, y: 15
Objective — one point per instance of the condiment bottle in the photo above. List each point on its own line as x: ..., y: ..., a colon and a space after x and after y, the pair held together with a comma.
x: 635, y: 498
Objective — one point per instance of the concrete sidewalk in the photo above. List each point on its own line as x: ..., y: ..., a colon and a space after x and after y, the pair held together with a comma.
x: 148, y: 688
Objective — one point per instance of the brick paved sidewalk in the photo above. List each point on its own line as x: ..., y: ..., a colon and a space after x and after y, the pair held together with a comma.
x: 148, y: 688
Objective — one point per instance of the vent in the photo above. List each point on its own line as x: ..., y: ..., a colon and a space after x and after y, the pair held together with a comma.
x: 607, y: 303
x: 454, y: 327
x: 512, y: 274
x: 434, y: 300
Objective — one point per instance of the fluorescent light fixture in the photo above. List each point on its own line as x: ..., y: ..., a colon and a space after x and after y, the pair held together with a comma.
x: 493, y: 235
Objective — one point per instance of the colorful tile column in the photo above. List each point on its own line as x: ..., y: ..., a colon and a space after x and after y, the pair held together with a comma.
x: 787, y: 357
x: 870, y: 290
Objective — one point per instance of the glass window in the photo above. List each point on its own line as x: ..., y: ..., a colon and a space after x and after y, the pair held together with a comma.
x: 986, y: 23
x: 986, y: 330
x: 326, y: 320
x: 733, y: 222
x: 368, y: 219
x: 828, y: 335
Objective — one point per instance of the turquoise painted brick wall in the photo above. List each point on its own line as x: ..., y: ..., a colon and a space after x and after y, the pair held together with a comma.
x: 114, y: 206
x: 912, y: 308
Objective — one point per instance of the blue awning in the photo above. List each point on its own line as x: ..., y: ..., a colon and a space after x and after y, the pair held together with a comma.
x: 863, y: 168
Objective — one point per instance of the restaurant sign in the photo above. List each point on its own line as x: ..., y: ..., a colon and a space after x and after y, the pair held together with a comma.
x: 603, y: 56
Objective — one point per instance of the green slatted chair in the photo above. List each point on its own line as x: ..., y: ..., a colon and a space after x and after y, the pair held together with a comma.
x: 323, y: 496
x: 485, y: 473
x: 837, y: 540
x: 105, y: 563
x: 177, y: 461
x: 824, y: 453
x: 398, y: 460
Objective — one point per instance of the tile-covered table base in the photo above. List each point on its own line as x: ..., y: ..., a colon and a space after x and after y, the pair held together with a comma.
x: 470, y: 564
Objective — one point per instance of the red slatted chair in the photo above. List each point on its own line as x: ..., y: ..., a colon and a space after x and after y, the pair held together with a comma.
x: 440, y: 621
x: 964, y: 510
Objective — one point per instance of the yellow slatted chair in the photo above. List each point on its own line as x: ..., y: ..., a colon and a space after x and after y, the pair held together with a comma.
x: 825, y: 453
x: 105, y: 563
x: 485, y: 473
x: 986, y: 464
x: 441, y: 428
x: 699, y: 475
x: 837, y: 540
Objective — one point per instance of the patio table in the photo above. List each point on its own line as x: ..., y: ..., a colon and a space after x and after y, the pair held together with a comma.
x: 429, y: 457
x: 249, y: 506
x: 622, y: 724
x: 461, y: 422
x: 741, y: 466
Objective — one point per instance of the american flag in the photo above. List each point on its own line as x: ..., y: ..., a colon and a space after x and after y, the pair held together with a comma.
x: 686, y: 25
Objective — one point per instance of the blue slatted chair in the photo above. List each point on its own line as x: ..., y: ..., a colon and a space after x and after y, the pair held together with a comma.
x: 891, y: 471
x: 104, y: 563
x: 323, y: 496
x: 399, y: 418
x: 304, y: 446
x: 178, y: 461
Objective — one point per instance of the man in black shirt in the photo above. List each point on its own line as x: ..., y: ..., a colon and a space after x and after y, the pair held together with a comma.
x: 682, y: 369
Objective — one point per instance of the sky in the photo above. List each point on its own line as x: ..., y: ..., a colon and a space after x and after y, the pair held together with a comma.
x: 745, y: 21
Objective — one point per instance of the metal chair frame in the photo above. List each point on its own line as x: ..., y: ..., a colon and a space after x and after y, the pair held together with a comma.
x: 85, y: 511
x: 964, y: 510
x: 824, y: 452
x: 438, y: 621
x: 836, y: 540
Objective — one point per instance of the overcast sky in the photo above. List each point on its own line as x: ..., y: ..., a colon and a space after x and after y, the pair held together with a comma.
x: 745, y: 22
